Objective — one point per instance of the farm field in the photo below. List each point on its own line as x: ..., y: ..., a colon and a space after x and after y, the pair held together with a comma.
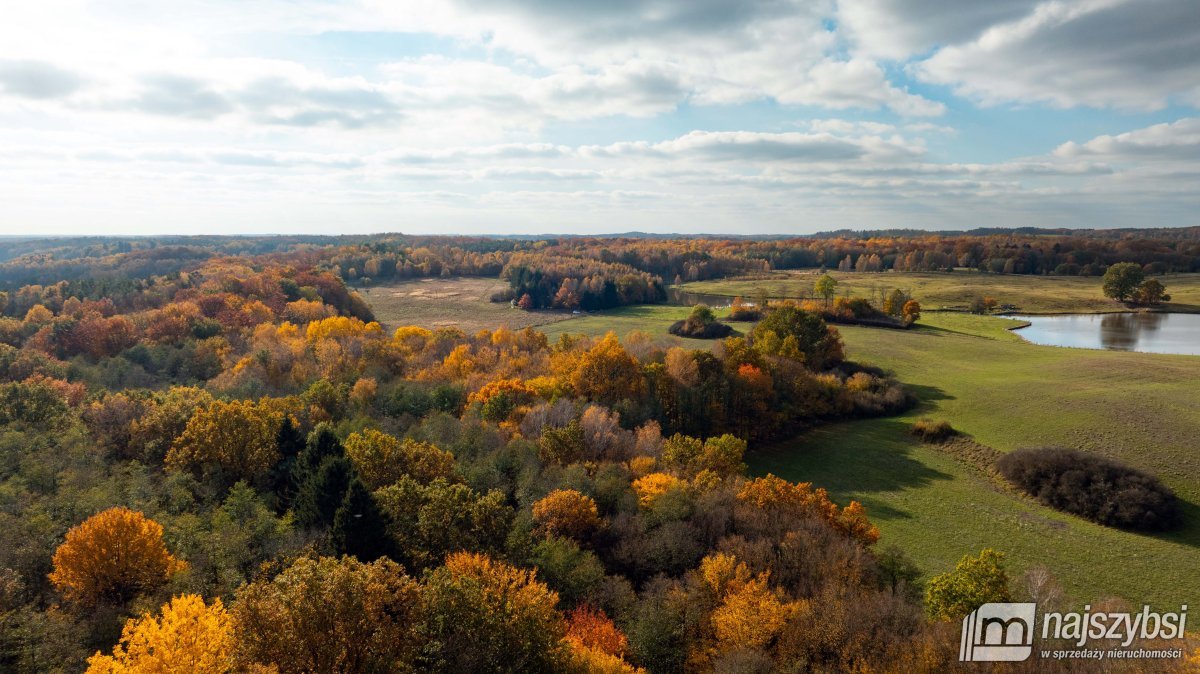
x: 1031, y: 294
x: 1004, y: 393
x: 463, y: 303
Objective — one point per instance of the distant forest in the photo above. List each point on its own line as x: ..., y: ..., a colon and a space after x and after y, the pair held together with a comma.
x: 581, y: 272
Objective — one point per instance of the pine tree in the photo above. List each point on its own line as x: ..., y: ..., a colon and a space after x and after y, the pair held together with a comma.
x: 322, y: 493
x: 359, y: 526
x: 322, y: 444
x: 290, y: 443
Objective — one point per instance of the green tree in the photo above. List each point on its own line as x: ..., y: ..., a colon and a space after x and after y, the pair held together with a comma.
x: 321, y: 443
x: 820, y: 344
x: 893, y: 304
x: 322, y: 493
x: 429, y: 521
x: 330, y: 615
x: 1151, y: 292
x: 290, y: 443
x: 1122, y: 280
x: 975, y: 581
x: 702, y: 313
x: 488, y: 616
x: 562, y: 445
x: 360, y: 529
x: 576, y: 574
x: 825, y: 286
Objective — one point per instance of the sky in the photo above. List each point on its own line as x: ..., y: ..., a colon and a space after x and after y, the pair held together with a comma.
x: 596, y: 116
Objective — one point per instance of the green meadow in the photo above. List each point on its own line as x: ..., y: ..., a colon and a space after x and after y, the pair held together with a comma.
x: 1032, y: 294
x: 1005, y: 393
x: 650, y: 319
x: 1000, y: 391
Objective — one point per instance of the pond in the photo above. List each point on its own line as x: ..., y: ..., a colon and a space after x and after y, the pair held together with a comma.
x: 687, y: 298
x: 1149, y: 332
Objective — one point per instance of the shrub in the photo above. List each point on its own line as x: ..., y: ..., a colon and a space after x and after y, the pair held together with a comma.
x: 701, y: 324
x: 740, y: 311
x: 929, y: 430
x: 1096, y: 488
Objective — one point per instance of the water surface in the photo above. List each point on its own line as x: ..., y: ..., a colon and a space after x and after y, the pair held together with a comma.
x: 1149, y: 332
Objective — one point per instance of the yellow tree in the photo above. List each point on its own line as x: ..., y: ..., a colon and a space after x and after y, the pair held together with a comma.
x: 750, y: 616
x: 607, y: 373
x: 481, y: 612
x: 566, y: 512
x: 651, y: 487
x: 237, y: 437
x: 382, y: 459
x: 750, y: 613
x: 330, y: 615
x: 188, y: 636
x: 975, y: 581
x: 112, y: 556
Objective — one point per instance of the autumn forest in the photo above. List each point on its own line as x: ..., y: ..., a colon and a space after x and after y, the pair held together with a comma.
x: 214, y: 457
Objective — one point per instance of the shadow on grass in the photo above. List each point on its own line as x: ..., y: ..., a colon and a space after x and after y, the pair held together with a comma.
x: 1189, y: 533
x: 927, y: 395
x: 852, y: 460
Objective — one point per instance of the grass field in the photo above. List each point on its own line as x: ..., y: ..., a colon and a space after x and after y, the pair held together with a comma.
x: 652, y: 319
x: 1031, y: 294
x: 458, y: 302
x: 970, y: 371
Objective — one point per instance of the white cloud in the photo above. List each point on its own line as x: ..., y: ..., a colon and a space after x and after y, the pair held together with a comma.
x: 1173, y: 142
x: 1125, y: 54
x: 898, y: 29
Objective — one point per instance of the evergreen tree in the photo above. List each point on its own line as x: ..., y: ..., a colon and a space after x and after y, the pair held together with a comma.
x: 322, y: 444
x: 322, y: 493
x: 290, y: 442
x: 360, y: 528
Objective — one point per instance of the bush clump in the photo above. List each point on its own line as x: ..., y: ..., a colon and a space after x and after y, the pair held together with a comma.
x: 929, y: 430
x: 701, y: 324
x: 1095, y: 488
x: 740, y: 311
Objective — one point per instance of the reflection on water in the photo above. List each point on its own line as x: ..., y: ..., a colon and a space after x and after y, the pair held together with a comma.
x: 1150, y: 332
x: 687, y: 299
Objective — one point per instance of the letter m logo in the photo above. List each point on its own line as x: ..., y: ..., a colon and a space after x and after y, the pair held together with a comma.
x: 998, y: 633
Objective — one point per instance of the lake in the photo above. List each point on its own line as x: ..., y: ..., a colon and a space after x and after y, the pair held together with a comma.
x: 1149, y: 332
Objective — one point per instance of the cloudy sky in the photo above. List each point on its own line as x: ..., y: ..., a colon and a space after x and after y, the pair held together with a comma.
x: 534, y: 116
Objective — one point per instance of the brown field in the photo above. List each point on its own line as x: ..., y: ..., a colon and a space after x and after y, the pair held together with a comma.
x: 450, y: 302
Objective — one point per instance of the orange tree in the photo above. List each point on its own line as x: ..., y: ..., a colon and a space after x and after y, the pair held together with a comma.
x: 188, y: 636
x: 112, y: 556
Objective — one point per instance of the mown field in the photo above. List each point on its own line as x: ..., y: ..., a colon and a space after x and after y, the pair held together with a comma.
x: 1032, y: 294
x: 458, y: 302
x: 1005, y: 393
